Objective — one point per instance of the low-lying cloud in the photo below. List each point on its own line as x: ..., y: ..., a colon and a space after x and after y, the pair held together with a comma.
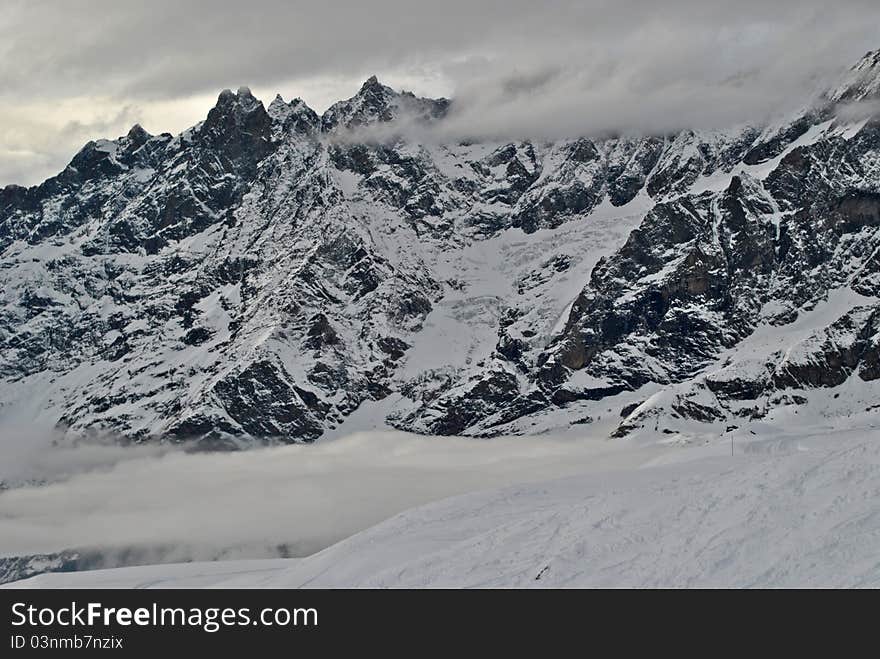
x: 290, y: 500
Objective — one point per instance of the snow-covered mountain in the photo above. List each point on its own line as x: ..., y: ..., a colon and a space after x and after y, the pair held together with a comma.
x: 269, y: 271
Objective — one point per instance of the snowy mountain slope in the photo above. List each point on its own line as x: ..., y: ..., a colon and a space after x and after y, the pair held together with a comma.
x: 790, y: 509
x: 266, y: 273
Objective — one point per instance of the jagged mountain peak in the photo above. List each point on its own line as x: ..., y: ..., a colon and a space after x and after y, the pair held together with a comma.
x: 377, y: 103
x: 293, y: 115
x: 137, y: 131
x: 871, y: 60
x: 372, y: 84
x: 861, y: 83
x: 277, y: 105
x: 234, y: 109
x: 242, y: 100
x: 137, y: 136
x: 374, y: 102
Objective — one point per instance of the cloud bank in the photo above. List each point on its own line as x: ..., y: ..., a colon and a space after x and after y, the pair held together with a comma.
x: 290, y: 500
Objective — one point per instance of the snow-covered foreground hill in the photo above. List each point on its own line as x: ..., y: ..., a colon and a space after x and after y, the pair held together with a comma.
x: 788, y: 509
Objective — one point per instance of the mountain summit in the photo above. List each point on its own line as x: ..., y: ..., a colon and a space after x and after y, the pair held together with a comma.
x: 862, y: 82
x: 376, y: 103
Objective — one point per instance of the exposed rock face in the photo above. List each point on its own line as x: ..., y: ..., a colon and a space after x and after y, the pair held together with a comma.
x: 23, y: 567
x: 686, y: 283
x: 270, y: 271
x: 827, y: 359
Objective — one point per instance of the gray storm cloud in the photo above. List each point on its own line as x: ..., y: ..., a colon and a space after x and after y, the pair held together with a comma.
x: 515, y: 68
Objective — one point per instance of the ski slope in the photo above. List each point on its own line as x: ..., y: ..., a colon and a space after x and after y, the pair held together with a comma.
x: 793, y: 509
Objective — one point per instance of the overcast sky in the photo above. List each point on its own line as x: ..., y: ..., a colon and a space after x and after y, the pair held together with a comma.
x: 71, y: 71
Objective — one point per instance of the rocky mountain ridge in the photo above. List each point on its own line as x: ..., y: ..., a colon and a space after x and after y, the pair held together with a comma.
x: 273, y: 274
